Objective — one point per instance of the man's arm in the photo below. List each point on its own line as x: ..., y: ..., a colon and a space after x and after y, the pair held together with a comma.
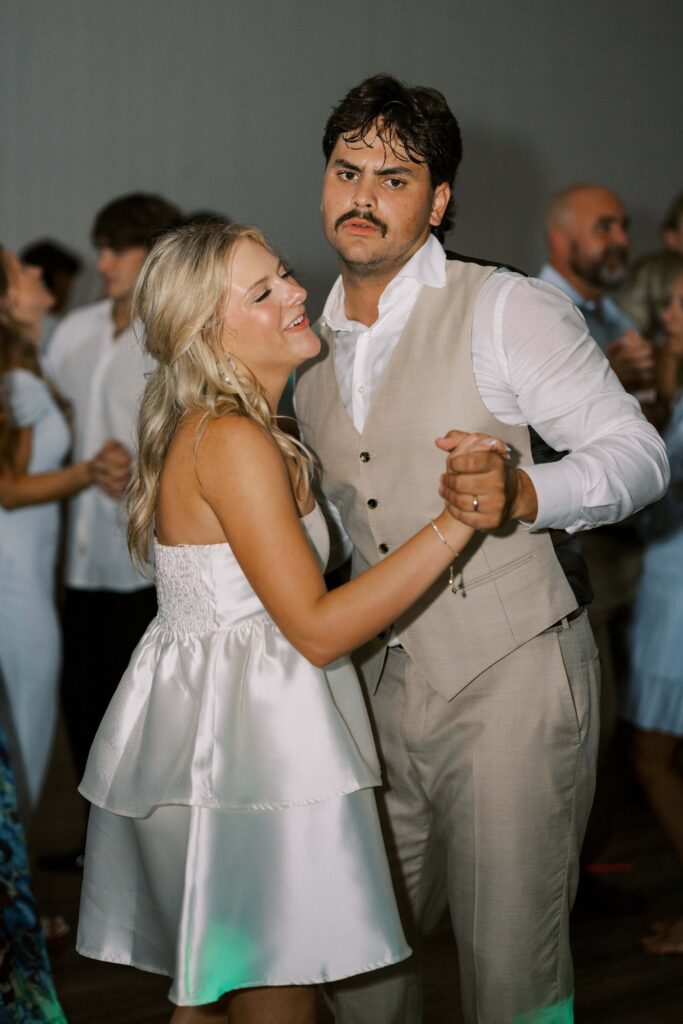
x: 535, y: 364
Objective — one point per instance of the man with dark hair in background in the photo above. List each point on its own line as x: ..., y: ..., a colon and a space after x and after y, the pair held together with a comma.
x: 59, y: 267
x: 97, y: 362
x: 484, y: 694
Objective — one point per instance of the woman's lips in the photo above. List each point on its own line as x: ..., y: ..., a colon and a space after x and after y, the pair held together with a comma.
x: 299, y: 324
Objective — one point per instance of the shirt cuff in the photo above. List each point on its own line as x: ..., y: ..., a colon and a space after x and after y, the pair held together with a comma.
x: 559, y: 494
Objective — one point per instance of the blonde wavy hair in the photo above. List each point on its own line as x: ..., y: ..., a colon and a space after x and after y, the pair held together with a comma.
x: 180, y: 299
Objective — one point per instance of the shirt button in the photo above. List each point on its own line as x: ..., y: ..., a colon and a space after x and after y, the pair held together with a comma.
x: 383, y: 548
x: 365, y: 456
x: 372, y: 503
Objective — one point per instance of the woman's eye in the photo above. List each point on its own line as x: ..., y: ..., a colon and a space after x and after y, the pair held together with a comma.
x: 263, y: 295
x: 286, y: 272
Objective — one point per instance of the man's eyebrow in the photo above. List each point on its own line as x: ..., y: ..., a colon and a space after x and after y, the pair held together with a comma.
x: 387, y: 172
x: 346, y: 165
x: 391, y: 172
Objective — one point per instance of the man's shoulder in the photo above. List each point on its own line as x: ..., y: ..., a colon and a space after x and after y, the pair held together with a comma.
x: 478, y: 261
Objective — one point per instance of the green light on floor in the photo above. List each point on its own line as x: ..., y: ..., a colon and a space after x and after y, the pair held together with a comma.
x: 558, y: 1013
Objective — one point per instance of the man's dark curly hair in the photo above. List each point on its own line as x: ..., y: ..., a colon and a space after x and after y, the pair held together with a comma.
x: 137, y: 219
x: 418, y: 117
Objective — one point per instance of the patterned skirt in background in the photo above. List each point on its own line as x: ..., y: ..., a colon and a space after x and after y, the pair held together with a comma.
x: 27, y: 994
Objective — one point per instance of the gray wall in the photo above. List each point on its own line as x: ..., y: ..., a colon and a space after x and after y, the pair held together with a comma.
x: 221, y: 103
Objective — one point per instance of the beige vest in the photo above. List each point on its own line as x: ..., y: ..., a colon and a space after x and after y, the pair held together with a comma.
x: 509, y: 585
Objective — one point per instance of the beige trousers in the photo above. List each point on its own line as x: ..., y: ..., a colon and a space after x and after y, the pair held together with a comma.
x: 500, y: 779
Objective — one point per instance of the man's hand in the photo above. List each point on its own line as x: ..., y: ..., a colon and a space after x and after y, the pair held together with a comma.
x: 479, y: 486
x: 112, y: 468
x: 632, y: 359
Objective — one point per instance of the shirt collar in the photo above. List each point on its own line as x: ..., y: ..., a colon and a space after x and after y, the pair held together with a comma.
x: 552, y: 276
x: 603, y: 305
x: 425, y: 267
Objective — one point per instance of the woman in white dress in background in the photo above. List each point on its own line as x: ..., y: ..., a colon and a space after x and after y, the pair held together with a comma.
x: 34, y: 441
x: 233, y: 843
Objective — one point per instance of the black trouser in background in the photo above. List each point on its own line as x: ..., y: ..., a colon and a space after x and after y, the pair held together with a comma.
x: 101, y: 630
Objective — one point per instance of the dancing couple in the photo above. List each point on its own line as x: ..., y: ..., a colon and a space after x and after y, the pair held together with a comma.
x: 234, y: 841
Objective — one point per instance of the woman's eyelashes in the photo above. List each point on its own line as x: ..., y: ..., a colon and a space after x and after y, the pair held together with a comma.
x: 284, y: 273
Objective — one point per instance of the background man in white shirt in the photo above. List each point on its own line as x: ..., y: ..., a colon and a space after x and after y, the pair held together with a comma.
x: 96, y: 360
x: 503, y: 777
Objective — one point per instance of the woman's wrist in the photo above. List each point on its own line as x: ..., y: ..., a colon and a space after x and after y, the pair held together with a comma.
x: 451, y: 532
x: 84, y: 472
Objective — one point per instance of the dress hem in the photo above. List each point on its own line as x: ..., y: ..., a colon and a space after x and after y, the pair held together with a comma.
x: 219, y: 806
x: 376, y: 966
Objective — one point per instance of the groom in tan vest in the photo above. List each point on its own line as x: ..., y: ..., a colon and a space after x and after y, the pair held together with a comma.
x: 484, y: 696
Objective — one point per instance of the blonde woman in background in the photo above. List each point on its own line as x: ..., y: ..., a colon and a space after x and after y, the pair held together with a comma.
x: 654, y: 697
x: 644, y: 294
x: 233, y: 843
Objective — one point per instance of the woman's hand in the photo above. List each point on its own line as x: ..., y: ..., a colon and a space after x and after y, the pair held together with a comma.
x: 112, y: 469
x: 479, y: 486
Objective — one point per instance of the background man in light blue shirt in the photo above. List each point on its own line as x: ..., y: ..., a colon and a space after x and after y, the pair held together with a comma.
x: 588, y: 246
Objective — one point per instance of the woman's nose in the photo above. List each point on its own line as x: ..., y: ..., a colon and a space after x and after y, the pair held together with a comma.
x: 297, y: 292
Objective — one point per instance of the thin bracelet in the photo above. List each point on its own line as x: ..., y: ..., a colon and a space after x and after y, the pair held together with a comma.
x: 451, y: 573
x: 443, y: 540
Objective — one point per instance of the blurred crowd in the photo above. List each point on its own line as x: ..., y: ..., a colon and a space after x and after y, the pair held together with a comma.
x: 72, y: 606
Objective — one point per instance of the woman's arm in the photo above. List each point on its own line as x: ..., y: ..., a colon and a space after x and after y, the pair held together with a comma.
x: 244, y: 479
x: 21, y: 488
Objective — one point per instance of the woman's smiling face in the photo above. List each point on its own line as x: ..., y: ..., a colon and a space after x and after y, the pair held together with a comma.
x: 265, y: 322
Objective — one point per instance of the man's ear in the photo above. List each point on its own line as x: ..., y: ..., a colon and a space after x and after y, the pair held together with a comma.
x: 558, y: 241
x: 440, y: 200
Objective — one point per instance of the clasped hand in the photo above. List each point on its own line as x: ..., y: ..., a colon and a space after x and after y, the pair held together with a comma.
x: 112, y: 469
x: 480, y: 487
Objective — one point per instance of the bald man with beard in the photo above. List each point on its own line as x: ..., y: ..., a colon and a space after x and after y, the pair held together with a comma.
x: 588, y: 247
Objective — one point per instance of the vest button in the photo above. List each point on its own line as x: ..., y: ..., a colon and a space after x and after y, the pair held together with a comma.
x: 383, y: 548
x: 365, y: 456
x: 372, y: 503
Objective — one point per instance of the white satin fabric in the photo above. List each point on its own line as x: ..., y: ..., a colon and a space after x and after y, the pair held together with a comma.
x: 234, y: 840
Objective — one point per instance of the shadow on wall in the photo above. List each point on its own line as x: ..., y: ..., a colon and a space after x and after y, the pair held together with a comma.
x: 500, y: 191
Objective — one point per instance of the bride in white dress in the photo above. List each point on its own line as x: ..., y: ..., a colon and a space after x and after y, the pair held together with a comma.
x: 233, y: 842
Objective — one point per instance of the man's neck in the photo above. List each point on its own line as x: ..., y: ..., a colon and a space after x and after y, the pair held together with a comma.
x: 122, y: 314
x: 362, y: 295
x: 590, y: 292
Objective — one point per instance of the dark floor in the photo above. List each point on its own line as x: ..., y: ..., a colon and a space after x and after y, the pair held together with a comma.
x: 616, y: 983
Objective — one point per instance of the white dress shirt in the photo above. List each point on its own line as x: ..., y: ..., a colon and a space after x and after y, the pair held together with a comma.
x: 103, y: 377
x: 535, y: 364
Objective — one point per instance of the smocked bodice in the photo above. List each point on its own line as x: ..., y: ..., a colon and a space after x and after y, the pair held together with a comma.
x: 201, y: 587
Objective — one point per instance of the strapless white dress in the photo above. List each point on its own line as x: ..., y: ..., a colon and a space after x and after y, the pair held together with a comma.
x: 233, y: 839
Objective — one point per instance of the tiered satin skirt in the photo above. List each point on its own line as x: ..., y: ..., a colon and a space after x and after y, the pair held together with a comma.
x: 234, y: 839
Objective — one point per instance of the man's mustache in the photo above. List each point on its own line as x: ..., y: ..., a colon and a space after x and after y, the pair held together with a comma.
x: 618, y: 251
x: 369, y: 217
